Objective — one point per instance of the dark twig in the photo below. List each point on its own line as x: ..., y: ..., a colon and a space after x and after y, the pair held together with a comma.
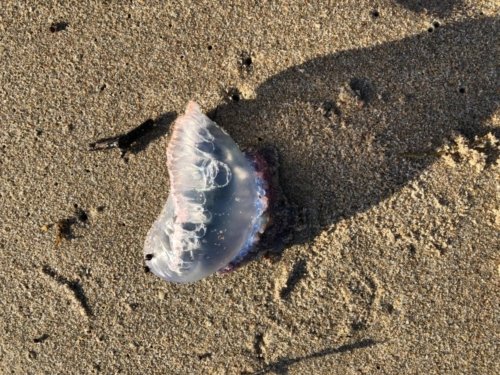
x: 138, y: 138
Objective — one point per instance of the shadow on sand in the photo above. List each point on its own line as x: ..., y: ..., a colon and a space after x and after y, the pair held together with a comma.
x: 354, y: 127
x: 282, y: 366
x: 440, y: 8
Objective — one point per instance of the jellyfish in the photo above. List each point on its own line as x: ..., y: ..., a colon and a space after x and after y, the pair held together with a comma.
x: 218, y: 205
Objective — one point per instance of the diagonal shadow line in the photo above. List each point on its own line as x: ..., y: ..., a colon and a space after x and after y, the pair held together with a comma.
x: 282, y: 366
x: 74, y: 285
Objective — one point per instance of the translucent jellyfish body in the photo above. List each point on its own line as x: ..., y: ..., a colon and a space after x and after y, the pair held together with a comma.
x: 217, y: 207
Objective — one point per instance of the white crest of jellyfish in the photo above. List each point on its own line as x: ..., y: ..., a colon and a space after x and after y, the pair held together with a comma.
x: 217, y: 206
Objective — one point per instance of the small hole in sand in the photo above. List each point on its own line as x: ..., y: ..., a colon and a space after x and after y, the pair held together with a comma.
x: 246, y: 63
x: 234, y: 94
x: 82, y: 215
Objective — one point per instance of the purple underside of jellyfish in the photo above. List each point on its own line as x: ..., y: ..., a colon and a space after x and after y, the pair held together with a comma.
x: 217, y: 207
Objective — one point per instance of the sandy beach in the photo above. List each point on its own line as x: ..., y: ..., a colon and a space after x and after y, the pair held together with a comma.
x: 386, y: 118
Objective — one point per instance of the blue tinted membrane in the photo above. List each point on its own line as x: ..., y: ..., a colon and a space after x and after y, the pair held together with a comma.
x: 207, y: 147
x: 214, y: 244
x: 257, y: 224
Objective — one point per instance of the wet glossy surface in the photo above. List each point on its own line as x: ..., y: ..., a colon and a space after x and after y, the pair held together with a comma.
x: 214, y: 212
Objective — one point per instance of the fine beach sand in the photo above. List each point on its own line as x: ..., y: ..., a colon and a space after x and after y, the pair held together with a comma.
x: 386, y: 118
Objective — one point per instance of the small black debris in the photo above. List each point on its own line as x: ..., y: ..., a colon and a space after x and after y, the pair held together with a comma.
x: 58, y: 26
x: 204, y: 356
x: 149, y: 256
x: 40, y: 339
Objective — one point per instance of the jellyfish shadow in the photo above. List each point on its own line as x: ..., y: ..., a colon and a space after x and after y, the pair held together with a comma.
x: 354, y: 127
